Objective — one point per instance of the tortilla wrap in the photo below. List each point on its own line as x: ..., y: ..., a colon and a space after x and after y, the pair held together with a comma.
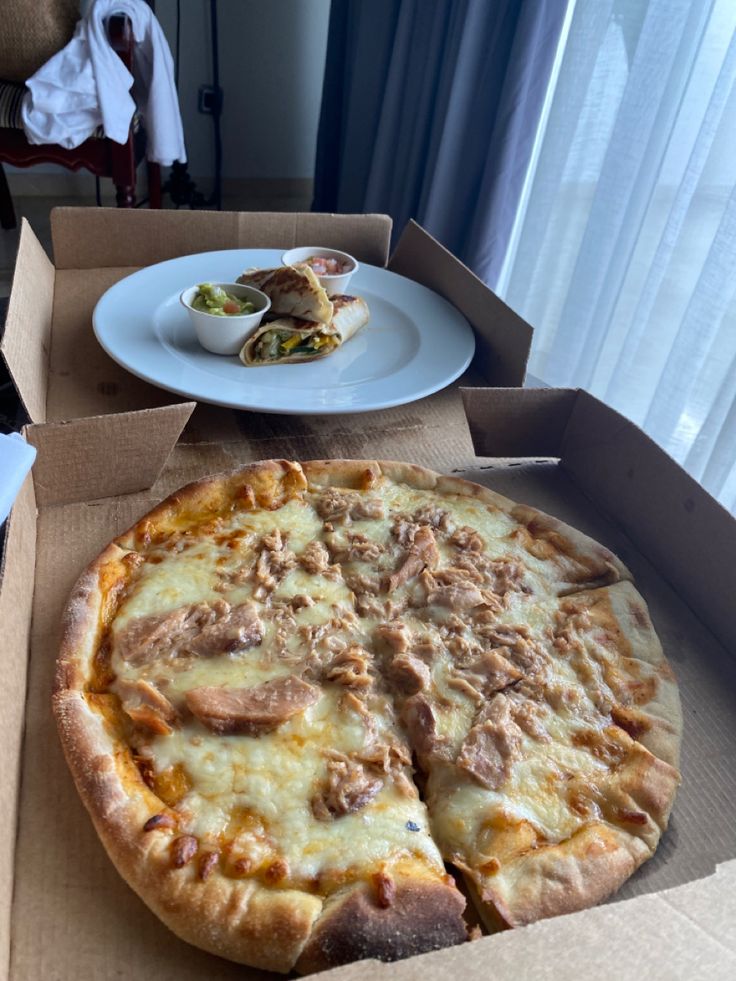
x: 294, y: 291
x: 351, y: 313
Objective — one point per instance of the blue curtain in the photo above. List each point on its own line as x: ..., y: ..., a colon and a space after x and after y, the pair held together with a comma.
x: 429, y: 111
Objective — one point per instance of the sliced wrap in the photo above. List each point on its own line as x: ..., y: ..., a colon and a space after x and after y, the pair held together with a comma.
x: 294, y: 291
x: 290, y: 340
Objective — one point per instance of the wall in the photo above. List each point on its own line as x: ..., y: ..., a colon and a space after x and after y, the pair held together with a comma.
x: 272, y: 55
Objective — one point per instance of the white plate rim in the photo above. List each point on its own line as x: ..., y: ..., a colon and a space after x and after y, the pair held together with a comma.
x: 104, y: 326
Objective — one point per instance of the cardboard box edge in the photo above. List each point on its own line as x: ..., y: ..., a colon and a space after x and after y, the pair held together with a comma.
x: 26, y: 353
x: 86, y: 444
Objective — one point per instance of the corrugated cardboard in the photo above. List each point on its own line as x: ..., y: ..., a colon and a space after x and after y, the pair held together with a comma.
x: 64, y: 911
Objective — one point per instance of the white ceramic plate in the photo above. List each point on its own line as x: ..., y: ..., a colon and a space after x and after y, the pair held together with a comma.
x: 414, y: 344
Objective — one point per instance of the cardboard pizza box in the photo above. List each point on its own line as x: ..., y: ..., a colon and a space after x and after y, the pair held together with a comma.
x: 110, y: 446
x: 65, y: 913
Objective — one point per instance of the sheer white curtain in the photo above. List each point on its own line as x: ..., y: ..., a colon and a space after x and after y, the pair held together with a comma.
x: 623, y: 256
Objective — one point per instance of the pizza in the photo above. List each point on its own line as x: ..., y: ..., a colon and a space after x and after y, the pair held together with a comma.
x: 311, y: 707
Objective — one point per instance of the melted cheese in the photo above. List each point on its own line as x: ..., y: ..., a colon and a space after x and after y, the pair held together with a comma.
x: 252, y: 794
x: 275, y: 776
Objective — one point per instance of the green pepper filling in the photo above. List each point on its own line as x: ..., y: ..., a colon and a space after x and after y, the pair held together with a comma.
x: 273, y: 345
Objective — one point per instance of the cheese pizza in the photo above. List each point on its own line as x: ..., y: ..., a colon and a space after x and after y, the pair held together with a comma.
x: 294, y: 696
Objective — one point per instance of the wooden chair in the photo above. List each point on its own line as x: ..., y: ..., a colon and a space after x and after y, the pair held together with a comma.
x: 103, y: 157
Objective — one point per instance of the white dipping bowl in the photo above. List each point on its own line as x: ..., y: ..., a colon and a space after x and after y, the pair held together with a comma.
x: 226, y: 334
x: 335, y: 284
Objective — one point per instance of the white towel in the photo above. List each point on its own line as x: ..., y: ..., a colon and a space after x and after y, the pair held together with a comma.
x: 16, y: 457
x: 86, y: 85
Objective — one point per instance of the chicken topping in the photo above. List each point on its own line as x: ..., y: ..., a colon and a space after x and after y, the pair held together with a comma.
x: 409, y: 674
x: 421, y: 725
x: 251, y: 711
x: 147, y: 707
x: 357, y: 548
x: 459, y: 598
x: 203, y: 629
x: 491, y: 672
x: 430, y: 514
x: 315, y: 559
x: 350, y: 668
x: 528, y: 715
x: 396, y: 635
x: 422, y: 553
x: 370, y: 508
x: 467, y: 539
x: 492, y: 745
x: 274, y: 561
x: 347, y: 788
x: 344, y: 506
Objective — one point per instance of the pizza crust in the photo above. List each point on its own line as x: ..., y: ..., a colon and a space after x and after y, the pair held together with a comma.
x: 285, y: 929
x: 423, y: 917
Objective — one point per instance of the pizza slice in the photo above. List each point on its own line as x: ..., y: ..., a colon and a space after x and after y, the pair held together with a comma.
x: 551, y: 749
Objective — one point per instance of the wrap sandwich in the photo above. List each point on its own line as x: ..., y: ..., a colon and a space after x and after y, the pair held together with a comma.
x: 294, y: 291
x: 292, y: 340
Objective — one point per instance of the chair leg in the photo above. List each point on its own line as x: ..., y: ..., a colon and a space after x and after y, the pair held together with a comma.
x: 125, y: 196
x: 7, y: 211
x: 154, y: 185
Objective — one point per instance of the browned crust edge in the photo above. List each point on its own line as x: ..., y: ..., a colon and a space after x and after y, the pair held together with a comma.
x: 563, y: 878
x: 423, y: 916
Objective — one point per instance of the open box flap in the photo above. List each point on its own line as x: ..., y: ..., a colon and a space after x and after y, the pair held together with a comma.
x: 503, y: 338
x: 521, y: 423
x: 94, y: 238
x: 26, y: 343
x: 17, y: 571
x: 101, y: 456
x: 685, y: 932
x: 667, y: 514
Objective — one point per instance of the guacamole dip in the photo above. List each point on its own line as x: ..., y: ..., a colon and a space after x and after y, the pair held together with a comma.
x: 215, y: 300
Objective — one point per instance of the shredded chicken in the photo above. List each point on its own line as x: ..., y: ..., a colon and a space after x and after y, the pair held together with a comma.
x: 350, y: 668
x: 274, y: 561
x: 404, y: 530
x: 422, y: 553
x: 315, y: 558
x: 458, y: 598
x: 491, y: 672
x: 492, y: 745
x: 356, y: 548
x: 254, y: 710
x: 418, y: 717
x: 203, y: 629
x: 430, y: 514
x: 467, y: 539
x: 409, y: 674
x: 344, y: 506
x: 348, y: 787
x: 528, y: 715
x: 396, y: 635
x: 147, y: 706
x: 367, y: 508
